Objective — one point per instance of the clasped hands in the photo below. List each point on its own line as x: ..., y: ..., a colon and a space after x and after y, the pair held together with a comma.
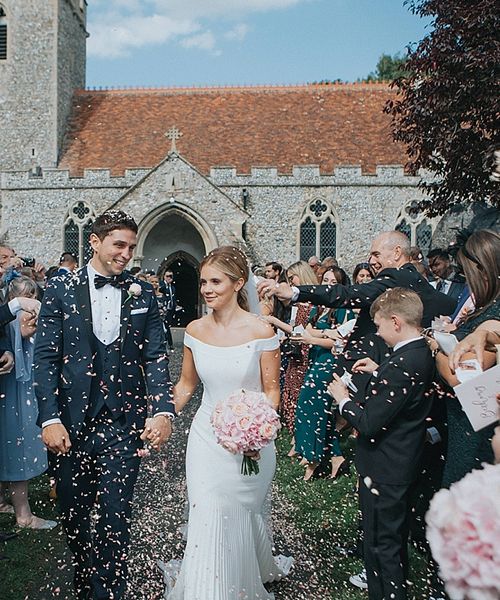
x: 157, y: 430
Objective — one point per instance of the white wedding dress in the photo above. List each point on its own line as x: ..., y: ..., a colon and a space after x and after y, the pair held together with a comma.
x: 228, y: 554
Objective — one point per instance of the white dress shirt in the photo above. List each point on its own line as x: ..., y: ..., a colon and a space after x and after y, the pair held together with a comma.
x: 105, y: 304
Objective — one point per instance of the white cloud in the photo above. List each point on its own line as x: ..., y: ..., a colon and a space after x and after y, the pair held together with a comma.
x: 115, y: 38
x: 118, y: 26
x: 238, y: 33
x: 203, y: 41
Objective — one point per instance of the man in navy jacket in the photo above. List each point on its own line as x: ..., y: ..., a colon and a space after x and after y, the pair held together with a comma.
x: 99, y: 361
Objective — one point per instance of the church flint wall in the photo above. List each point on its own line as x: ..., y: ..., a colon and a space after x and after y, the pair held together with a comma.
x: 364, y: 205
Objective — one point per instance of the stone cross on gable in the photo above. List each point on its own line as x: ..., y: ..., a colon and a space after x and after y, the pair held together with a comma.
x: 173, y: 134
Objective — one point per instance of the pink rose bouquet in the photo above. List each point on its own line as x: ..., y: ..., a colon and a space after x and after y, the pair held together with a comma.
x: 245, y: 422
x: 463, y: 529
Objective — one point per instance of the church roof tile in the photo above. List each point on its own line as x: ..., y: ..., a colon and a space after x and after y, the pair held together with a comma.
x: 242, y: 127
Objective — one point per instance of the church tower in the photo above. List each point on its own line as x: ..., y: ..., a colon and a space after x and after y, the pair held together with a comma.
x: 42, y: 63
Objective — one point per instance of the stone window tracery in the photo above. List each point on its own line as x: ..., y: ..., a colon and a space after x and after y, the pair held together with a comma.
x: 318, y: 231
x: 3, y: 33
x: 77, y: 230
x: 417, y: 226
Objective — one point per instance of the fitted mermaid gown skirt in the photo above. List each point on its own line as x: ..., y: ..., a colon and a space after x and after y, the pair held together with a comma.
x: 228, y: 553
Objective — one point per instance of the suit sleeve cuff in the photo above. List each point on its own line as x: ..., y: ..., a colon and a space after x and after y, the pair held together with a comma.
x: 14, y: 306
x: 166, y: 413
x: 51, y: 422
x: 342, y: 403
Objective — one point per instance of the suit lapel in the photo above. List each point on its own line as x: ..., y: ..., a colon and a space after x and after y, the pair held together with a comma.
x: 82, y: 298
x: 125, y: 312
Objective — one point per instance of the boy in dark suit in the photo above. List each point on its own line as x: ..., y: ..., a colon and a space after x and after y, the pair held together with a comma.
x: 392, y: 427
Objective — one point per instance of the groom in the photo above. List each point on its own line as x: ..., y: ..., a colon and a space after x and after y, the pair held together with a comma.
x: 99, y: 361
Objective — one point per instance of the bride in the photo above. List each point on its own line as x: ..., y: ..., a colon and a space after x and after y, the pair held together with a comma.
x: 228, y: 553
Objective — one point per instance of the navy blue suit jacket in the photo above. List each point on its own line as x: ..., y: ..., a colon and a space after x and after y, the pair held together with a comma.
x: 392, y: 420
x: 64, y: 353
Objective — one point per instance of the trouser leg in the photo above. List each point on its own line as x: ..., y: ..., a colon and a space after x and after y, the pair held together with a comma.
x: 117, y: 467
x: 76, y: 492
x: 385, y: 530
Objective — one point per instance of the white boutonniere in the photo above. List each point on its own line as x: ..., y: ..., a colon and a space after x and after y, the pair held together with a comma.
x: 134, y: 291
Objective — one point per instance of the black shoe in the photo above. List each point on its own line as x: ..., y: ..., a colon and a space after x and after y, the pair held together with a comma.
x: 5, y: 537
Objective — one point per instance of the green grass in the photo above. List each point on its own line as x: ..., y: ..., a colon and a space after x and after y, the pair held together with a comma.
x: 33, y: 554
x: 327, y: 513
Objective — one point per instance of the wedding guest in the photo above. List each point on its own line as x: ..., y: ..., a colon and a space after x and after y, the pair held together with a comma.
x: 363, y: 273
x: 447, y: 280
x: 167, y: 288
x: 480, y: 259
x: 329, y: 261
x: 22, y: 453
x: 67, y: 263
x: 298, y: 273
x: 6, y: 256
x: 416, y: 255
x: 316, y: 439
x: 392, y: 428
x: 273, y: 270
x: 314, y: 263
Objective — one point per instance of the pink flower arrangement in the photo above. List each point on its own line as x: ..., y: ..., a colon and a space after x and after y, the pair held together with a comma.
x: 245, y: 422
x: 463, y: 529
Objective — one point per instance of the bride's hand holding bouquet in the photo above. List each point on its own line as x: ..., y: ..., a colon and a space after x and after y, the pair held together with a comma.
x: 245, y: 423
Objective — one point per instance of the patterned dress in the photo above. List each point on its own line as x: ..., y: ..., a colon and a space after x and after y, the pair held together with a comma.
x: 295, y: 372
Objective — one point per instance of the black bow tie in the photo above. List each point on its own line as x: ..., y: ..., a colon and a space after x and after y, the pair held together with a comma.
x: 116, y: 281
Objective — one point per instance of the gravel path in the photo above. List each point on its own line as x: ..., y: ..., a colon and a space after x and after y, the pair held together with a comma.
x: 159, y: 512
x: 159, y: 506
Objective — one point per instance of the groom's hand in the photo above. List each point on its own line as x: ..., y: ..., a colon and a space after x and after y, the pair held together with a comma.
x: 157, y: 431
x: 56, y: 438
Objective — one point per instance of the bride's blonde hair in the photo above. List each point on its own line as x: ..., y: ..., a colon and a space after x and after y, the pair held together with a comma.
x: 233, y: 263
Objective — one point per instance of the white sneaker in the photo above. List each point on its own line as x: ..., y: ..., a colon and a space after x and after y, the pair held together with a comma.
x: 359, y: 580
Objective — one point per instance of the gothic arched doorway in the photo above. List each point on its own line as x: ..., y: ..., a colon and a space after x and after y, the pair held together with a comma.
x: 178, y: 239
x: 185, y: 270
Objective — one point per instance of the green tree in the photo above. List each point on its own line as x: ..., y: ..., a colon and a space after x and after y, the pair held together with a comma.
x: 446, y: 111
x: 388, y: 68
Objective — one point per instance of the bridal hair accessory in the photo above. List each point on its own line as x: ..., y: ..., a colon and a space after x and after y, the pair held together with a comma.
x: 134, y: 291
x: 463, y: 529
x: 245, y: 422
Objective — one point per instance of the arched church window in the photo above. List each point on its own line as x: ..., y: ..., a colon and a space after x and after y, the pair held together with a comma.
x: 77, y: 230
x: 3, y: 33
x: 318, y: 231
x: 417, y: 226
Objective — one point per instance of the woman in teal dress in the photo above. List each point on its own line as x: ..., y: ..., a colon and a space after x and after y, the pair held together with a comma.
x: 480, y: 260
x: 316, y: 439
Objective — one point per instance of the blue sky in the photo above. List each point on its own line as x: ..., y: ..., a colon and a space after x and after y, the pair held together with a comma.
x: 238, y: 42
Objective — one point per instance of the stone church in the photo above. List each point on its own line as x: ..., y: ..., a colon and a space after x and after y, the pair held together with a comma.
x: 284, y: 171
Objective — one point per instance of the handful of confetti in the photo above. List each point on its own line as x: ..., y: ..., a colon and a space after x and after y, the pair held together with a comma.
x: 245, y: 422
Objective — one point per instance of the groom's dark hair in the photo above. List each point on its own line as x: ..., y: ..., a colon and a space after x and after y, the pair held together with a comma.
x: 111, y: 220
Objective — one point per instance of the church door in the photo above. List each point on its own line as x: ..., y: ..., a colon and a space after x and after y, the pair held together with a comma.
x: 184, y: 268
